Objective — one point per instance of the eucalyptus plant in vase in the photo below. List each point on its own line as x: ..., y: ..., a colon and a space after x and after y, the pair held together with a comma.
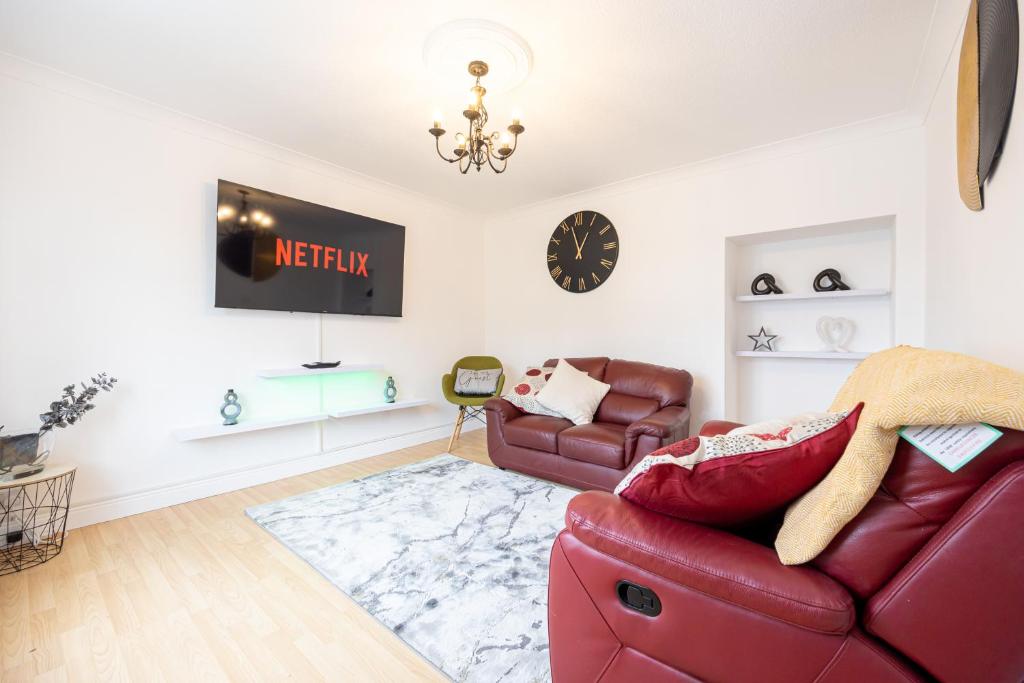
x: 22, y: 455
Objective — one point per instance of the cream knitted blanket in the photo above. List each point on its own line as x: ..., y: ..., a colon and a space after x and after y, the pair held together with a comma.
x: 900, y: 386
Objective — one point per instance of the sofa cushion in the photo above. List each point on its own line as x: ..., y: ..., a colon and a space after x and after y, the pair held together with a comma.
x: 667, y: 386
x: 624, y: 409
x: 539, y: 432
x: 592, y: 366
x: 600, y: 443
x: 523, y: 394
x: 572, y: 393
x: 743, y: 475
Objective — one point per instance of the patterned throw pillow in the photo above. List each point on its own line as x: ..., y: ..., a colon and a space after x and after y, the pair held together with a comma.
x: 743, y: 475
x: 476, y: 382
x: 523, y: 394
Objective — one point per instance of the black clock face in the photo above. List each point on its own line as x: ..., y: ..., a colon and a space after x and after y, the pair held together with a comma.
x: 582, y: 252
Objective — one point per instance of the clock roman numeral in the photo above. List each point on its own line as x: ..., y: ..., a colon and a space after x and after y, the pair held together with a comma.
x: 610, y: 245
x: 566, y: 281
x: 606, y: 263
x: 604, y: 229
x: 579, y: 218
x: 596, y: 279
x: 557, y: 242
x: 552, y: 257
x: 556, y: 271
x: 592, y: 219
x: 582, y: 286
x: 565, y: 228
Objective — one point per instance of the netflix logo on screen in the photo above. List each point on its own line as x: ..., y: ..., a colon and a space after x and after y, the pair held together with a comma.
x: 282, y: 254
x: 321, y: 256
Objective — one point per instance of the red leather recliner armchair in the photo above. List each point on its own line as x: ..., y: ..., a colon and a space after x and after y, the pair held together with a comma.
x: 926, y: 583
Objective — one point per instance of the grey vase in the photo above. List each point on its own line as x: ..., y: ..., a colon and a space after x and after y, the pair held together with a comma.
x: 22, y: 455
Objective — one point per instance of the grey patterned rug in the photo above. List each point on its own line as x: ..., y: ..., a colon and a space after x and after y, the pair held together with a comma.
x: 449, y: 554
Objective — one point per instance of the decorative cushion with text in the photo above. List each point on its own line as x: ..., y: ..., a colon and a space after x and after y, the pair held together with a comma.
x: 476, y: 382
x: 523, y: 394
x: 743, y: 475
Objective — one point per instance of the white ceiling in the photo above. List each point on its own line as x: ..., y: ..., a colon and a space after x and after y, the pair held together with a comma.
x: 618, y: 88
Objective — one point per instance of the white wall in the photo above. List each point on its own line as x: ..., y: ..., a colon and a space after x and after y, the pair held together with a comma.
x: 666, y: 301
x: 106, y: 263
x: 974, y: 258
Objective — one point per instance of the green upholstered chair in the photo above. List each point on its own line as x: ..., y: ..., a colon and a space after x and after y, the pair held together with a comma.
x: 469, y: 406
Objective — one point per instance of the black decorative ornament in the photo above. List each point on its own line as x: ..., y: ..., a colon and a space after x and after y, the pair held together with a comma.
x: 764, y: 284
x: 834, y: 279
x: 321, y: 365
x: 582, y: 252
x: 763, y: 340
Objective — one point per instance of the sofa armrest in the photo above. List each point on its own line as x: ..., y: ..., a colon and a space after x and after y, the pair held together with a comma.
x: 710, y: 561
x: 671, y: 423
x: 502, y: 409
x: 717, y: 427
x: 955, y: 607
x: 668, y: 425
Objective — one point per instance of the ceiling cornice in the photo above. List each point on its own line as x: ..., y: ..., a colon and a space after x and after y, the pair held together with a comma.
x: 943, y: 37
x: 69, y: 85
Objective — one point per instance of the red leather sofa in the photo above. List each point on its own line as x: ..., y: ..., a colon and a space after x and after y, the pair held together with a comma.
x: 926, y: 583
x: 646, y: 408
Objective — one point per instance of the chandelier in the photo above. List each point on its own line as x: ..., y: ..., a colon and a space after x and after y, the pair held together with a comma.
x: 479, y: 147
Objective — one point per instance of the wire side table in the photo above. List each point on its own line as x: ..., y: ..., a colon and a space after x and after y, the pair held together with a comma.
x: 33, y: 517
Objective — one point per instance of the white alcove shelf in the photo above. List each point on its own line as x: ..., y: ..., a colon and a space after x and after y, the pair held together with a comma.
x: 801, y: 374
x: 801, y: 296
x: 813, y: 355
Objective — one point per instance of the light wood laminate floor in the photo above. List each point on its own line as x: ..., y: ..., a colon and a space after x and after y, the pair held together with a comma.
x: 198, y: 592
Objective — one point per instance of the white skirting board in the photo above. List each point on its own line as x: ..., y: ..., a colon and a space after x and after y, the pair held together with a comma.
x: 94, y: 512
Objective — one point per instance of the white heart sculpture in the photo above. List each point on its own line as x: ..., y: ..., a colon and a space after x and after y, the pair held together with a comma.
x: 835, y: 332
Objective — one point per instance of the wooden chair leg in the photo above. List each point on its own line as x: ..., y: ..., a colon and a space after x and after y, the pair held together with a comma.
x: 462, y: 421
x: 458, y: 427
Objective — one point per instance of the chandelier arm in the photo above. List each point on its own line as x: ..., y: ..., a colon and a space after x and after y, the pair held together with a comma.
x: 504, y: 162
x: 437, y: 145
x: 515, y: 142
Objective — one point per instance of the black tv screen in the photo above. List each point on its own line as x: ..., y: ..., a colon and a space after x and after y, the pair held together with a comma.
x: 282, y: 254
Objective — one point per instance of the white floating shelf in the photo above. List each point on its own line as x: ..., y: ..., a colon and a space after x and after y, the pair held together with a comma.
x: 218, y: 429
x: 299, y: 371
x: 380, y: 407
x: 839, y: 294
x: 827, y: 355
x: 208, y: 431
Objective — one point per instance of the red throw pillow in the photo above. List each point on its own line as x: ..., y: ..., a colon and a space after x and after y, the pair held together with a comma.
x: 741, y: 476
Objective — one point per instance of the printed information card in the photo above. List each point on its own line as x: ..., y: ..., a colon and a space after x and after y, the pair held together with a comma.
x: 952, y: 446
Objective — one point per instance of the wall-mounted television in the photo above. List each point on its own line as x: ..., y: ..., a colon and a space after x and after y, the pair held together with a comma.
x: 282, y: 254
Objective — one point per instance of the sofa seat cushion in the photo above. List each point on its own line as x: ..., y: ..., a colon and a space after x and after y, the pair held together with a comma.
x: 539, y: 432
x: 600, y: 443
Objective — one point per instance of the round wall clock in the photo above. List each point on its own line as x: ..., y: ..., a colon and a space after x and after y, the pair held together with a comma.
x: 582, y: 252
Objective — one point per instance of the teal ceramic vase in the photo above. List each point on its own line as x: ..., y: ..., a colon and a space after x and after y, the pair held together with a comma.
x: 231, y: 408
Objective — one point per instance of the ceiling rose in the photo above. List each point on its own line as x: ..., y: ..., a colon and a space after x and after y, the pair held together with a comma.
x: 450, y: 47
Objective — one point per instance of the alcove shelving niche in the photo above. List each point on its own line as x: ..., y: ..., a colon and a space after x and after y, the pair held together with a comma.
x: 801, y: 374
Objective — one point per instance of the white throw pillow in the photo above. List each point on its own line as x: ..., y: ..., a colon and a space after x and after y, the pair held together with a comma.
x: 573, y: 393
x: 476, y: 382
